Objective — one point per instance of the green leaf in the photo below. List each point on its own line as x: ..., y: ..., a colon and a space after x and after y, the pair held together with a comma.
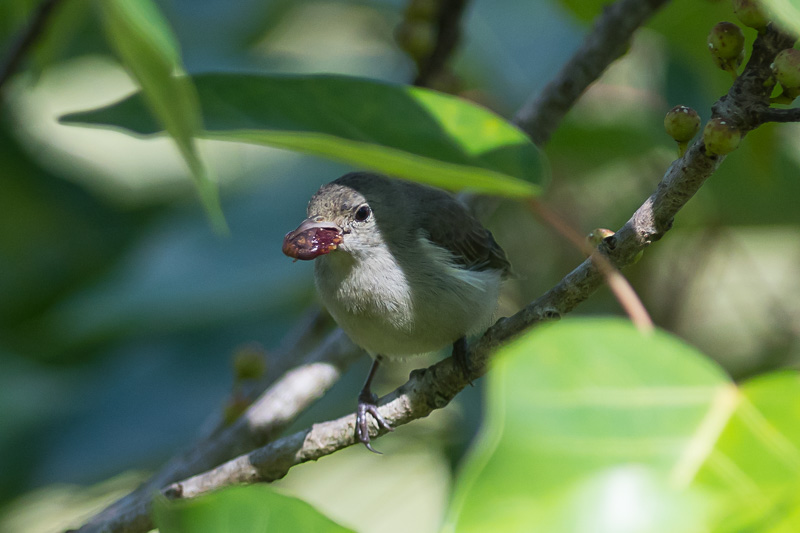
x: 246, y: 509
x: 144, y: 42
x: 756, y: 461
x: 403, y: 131
x: 763, y: 435
x: 593, y: 426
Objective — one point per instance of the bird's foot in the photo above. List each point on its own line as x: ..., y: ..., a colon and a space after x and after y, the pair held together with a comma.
x: 368, y: 405
x: 461, y: 358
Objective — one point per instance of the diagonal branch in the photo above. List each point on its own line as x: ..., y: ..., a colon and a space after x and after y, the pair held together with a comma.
x: 607, y: 41
x: 35, y: 28
x: 264, y: 420
x: 619, y: 286
x: 771, y: 114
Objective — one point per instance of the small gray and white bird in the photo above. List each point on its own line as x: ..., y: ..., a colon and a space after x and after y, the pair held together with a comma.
x: 404, y: 269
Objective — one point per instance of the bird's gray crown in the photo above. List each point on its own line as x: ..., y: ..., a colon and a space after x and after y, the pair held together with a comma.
x: 341, y: 196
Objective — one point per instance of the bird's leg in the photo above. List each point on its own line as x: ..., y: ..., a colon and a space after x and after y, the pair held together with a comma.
x: 368, y: 404
x: 461, y: 359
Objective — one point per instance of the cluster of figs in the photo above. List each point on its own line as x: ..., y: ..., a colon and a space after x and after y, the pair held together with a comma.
x: 726, y: 44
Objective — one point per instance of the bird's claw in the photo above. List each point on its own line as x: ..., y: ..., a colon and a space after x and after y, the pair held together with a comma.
x: 368, y: 405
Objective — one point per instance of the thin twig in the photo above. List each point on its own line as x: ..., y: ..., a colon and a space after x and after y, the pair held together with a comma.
x: 20, y: 49
x: 607, y: 41
x: 447, y: 37
x: 619, y: 286
x: 299, y: 346
x: 263, y: 421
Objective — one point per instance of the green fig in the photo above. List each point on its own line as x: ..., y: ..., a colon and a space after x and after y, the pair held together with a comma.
x: 786, y: 68
x: 751, y: 13
x: 682, y: 123
x: 720, y: 137
x: 726, y: 40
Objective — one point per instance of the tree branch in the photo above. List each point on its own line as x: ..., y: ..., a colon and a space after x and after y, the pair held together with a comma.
x: 447, y: 37
x: 263, y: 421
x: 27, y: 39
x: 619, y: 286
x: 301, y: 343
x: 607, y: 41
x: 771, y: 114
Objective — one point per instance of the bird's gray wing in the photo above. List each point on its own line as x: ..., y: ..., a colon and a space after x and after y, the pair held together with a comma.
x: 451, y: 226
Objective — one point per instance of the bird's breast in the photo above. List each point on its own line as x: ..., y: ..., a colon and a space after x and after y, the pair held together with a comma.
x: 373, y: 288
x: 401, y: 308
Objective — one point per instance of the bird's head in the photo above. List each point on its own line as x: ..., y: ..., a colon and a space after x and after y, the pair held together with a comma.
x: 344, y: 215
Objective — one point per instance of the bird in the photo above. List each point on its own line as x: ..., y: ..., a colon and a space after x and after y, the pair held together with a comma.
x: 403, y: 268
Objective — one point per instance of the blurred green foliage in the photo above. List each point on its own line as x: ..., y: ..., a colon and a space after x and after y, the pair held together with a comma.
x: 256, y: 508
x: 147, y: 47
x: 120, y: 308
x: 593, y: 426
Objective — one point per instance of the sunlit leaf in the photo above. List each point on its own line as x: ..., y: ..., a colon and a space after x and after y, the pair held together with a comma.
x: 144, y: 42
x: 250, y: 509
x: 403, y: 131
x: 756, y: 461
x: 593, y: 426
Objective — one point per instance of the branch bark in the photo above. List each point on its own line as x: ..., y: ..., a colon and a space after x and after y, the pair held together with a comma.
x: 771, y: 114
x: 20, y: 49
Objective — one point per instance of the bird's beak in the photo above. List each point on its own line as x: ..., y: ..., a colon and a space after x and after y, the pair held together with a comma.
x: 311, y: 239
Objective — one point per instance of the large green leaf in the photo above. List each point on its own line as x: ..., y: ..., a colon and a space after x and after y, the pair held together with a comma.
x: 595, y: 427
x: 403, y: 131
x: 250, y: 509
x: 144, y: 42
x: 756, y: 461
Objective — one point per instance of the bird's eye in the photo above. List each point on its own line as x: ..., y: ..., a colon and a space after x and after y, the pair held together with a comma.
x: 363, y: 213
